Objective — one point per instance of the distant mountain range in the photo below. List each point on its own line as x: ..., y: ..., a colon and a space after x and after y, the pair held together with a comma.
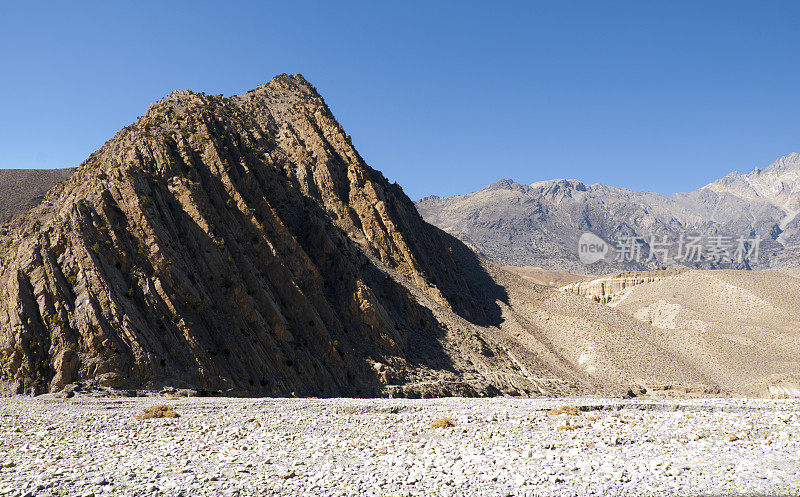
x: 540, y: 224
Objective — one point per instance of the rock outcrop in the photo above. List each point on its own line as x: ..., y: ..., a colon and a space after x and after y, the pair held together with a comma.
x: 237, y: 244
x: 609, y: 288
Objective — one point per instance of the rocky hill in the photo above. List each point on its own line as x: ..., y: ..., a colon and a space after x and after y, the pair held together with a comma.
x: 21, y: 189
x: 238, y: 244
x: 539, y: 224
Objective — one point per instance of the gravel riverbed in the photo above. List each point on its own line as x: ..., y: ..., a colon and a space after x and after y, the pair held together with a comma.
x: 386, y: 447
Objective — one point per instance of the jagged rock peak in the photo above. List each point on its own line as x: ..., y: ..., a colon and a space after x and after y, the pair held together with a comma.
x: 556, y: 185
x: 789, y: 162
x: 502, y: 184
x: 239, y: 244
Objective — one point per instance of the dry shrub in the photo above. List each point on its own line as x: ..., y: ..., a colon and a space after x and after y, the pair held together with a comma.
x: 442, y: 423
x: 159, y: 411
x: 571, y: 410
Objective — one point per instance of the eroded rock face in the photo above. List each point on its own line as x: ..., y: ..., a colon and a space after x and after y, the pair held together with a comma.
x: 238, y: 244
x: 607, y: 289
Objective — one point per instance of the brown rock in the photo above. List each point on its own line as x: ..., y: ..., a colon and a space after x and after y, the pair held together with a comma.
x: 237, y: 244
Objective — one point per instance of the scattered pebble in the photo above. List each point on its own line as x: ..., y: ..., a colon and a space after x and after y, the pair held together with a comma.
x: 376, y: 447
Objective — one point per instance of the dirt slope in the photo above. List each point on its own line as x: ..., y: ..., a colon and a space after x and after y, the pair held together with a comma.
x: 739, y: 328
x: 21, y: 189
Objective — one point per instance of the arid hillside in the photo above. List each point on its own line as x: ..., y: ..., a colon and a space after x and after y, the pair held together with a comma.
x: 21, y: 189
x: 738, y: 328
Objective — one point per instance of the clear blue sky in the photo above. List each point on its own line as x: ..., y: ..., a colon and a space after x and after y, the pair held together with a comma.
x: 444, y: 98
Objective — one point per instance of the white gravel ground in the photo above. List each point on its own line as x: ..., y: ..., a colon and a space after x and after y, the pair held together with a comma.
x: 220, y: 446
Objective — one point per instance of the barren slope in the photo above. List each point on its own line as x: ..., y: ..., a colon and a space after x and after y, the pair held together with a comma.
x: 740, y: 328
x: 591, y: 342
x: 737, y: 328
x: 21, y: 189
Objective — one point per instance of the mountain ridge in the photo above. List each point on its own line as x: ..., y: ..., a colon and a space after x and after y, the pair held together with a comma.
x: 538, y: 224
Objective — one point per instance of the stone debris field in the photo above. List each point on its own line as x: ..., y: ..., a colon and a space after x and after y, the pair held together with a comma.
x: 389, y: 447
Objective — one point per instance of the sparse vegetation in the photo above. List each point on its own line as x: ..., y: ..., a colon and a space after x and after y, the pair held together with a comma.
x: 158, y: 411
x: 571, y: 410
x: 442, y: 423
